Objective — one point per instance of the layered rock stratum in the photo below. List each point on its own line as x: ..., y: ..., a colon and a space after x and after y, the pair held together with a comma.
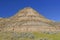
x: 28, y: 20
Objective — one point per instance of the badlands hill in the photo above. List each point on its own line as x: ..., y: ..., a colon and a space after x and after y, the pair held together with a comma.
x: 28, y: 20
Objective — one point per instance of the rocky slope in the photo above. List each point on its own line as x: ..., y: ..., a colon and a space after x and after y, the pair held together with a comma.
x: 27, y: 20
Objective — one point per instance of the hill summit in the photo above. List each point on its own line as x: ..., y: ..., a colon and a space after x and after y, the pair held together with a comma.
x: 27, y: 20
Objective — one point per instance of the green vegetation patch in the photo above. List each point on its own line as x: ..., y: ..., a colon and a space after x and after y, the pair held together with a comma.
x: 29, y: 36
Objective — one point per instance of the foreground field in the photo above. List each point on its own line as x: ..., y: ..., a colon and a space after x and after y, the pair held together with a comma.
x: 29, y: 36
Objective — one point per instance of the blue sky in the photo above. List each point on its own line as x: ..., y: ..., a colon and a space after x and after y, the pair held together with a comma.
x: 48, y: 8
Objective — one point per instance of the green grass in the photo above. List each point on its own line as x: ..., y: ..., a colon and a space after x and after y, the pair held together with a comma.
x: 38, y: 35
x: 49, y: 36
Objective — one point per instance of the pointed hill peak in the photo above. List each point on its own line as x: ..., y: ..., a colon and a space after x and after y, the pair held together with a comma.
x: 28, y: 11
x: 28, y: 8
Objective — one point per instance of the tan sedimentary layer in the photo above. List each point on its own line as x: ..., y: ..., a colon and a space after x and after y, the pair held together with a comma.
x: 27, y: 20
